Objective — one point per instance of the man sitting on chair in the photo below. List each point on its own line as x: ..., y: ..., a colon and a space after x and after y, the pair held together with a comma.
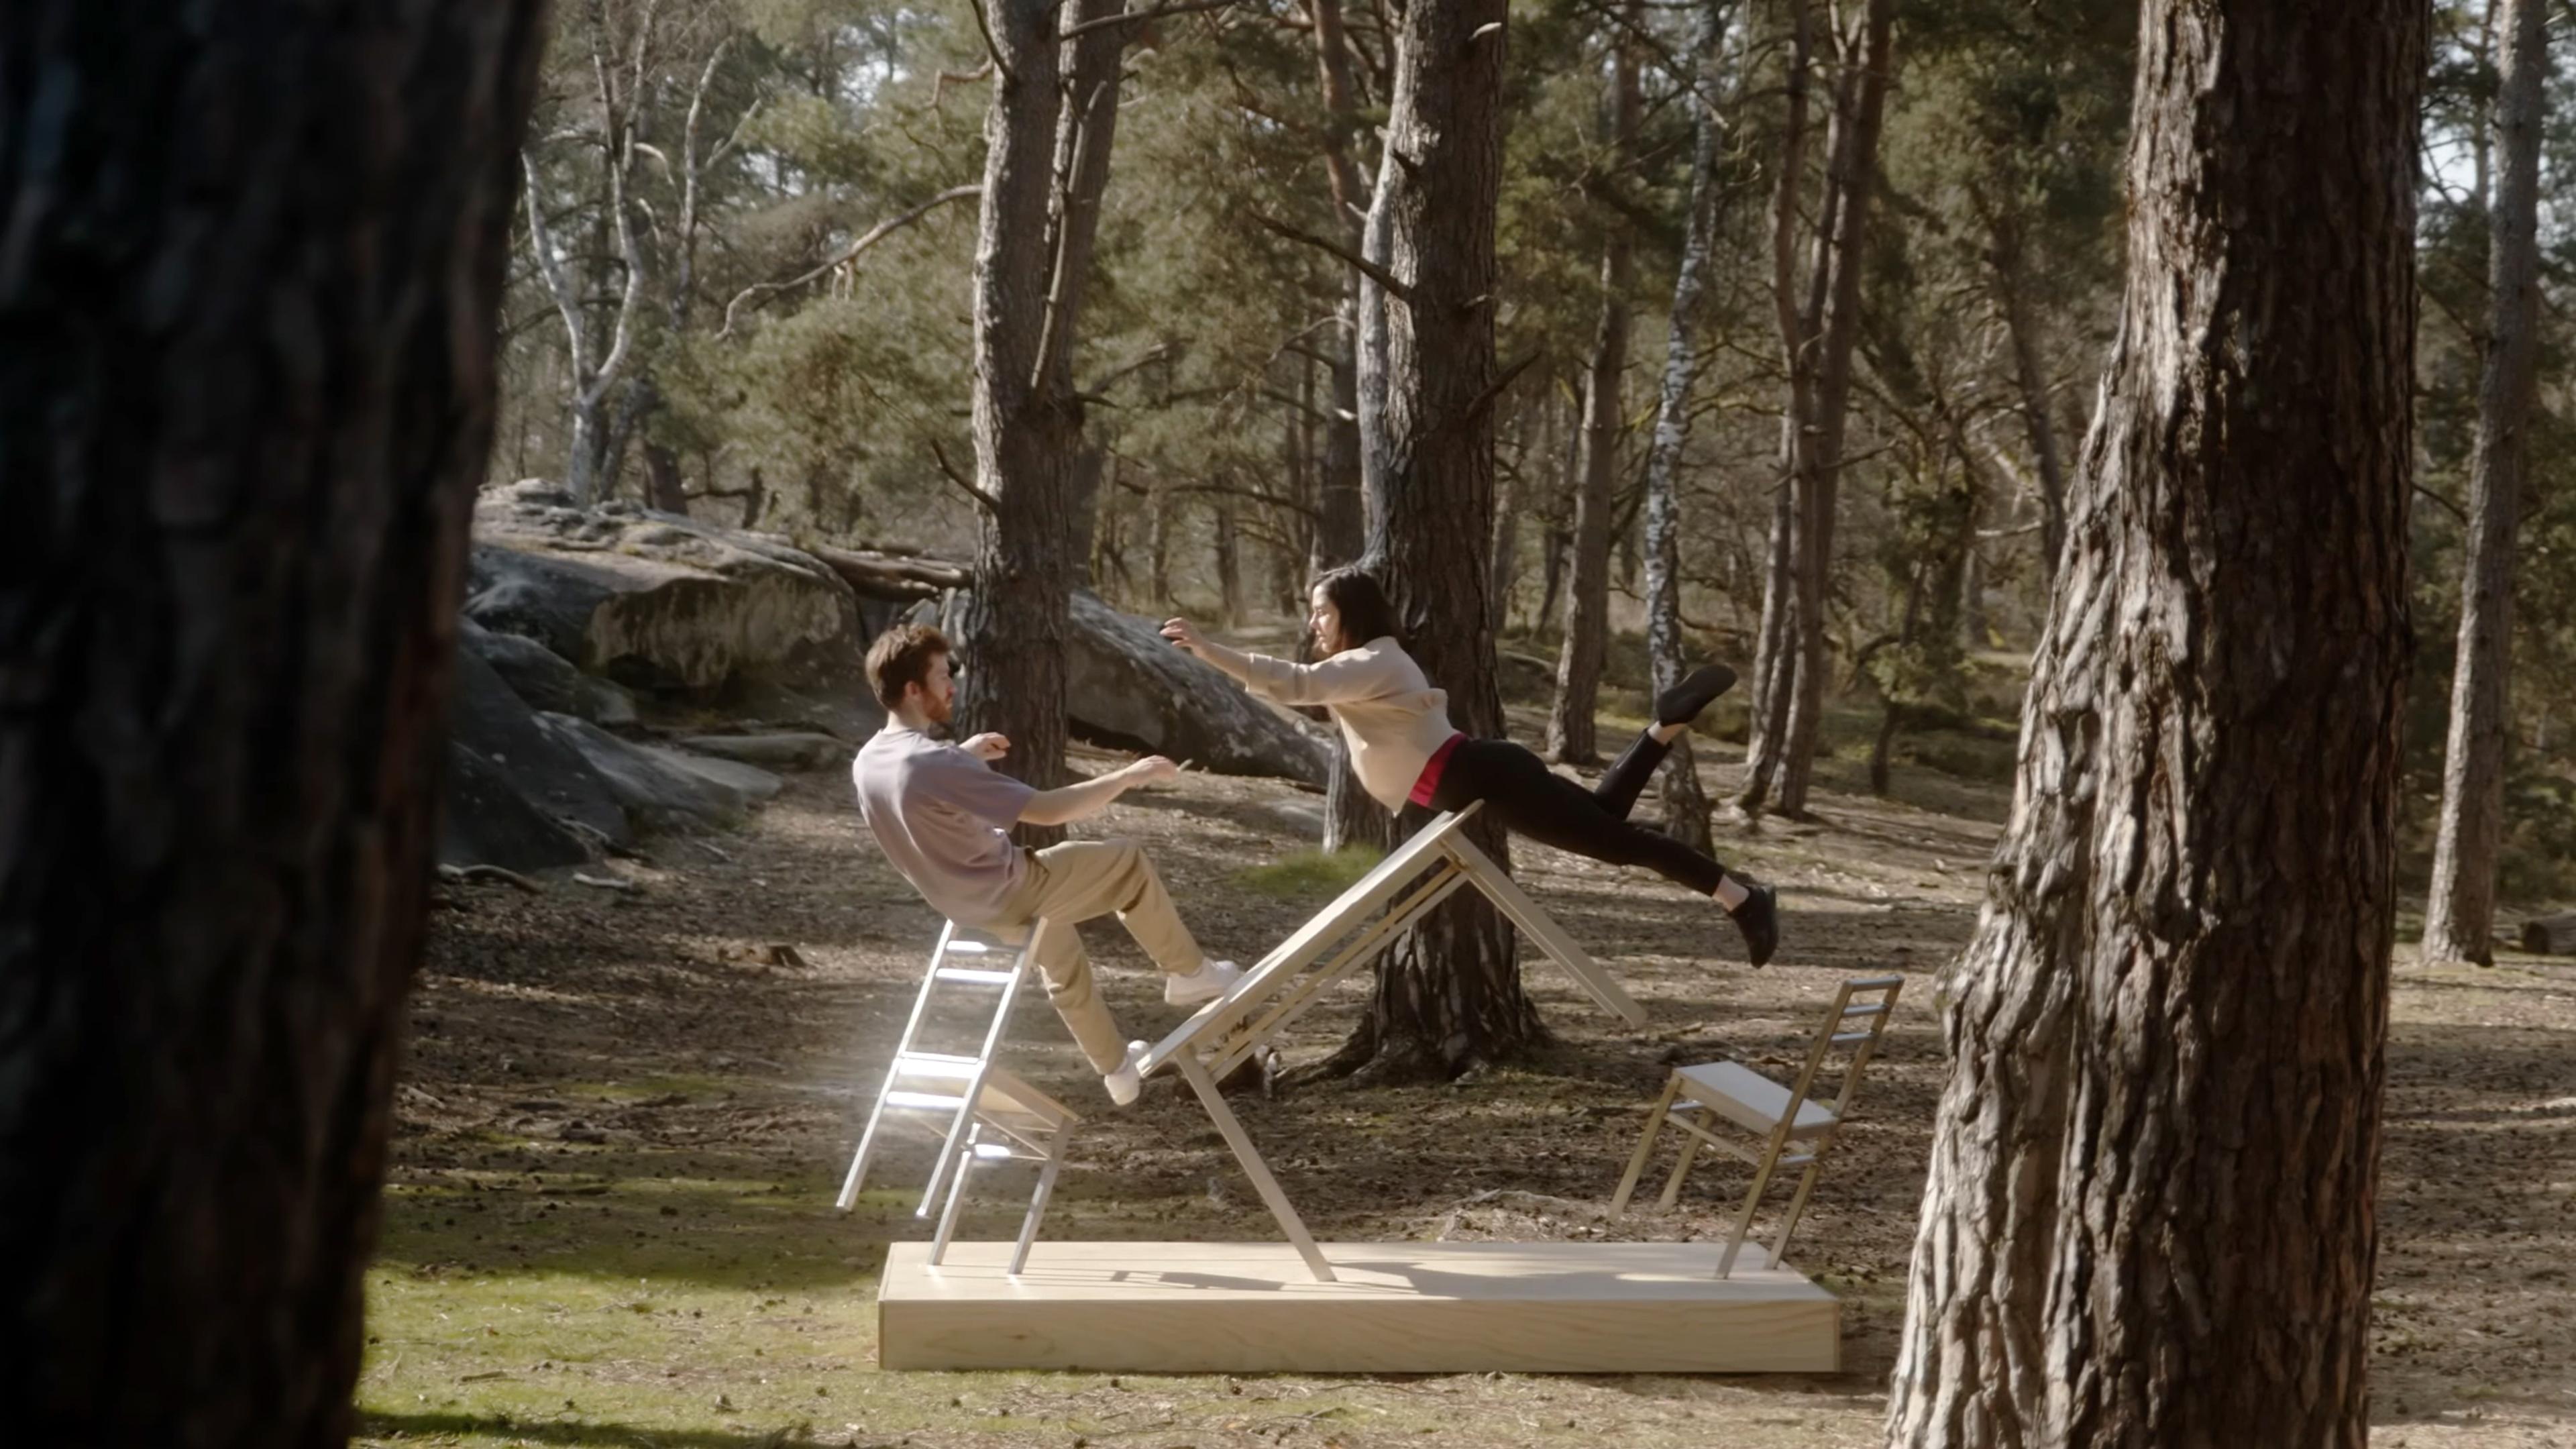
x: 941, y: 815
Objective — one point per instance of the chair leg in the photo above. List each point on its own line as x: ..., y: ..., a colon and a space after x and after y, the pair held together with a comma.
x: 1645, y: 1144
x: 956, y: 1194
x: 1752, y: 1200
x: 1681, y: 1169
x: 1038, y: 1202
x: 1797, y: 1205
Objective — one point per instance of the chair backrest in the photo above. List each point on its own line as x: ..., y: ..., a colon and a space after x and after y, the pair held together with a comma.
x: 1862, y: 1005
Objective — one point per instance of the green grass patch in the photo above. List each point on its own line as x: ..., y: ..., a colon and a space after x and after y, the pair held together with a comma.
x: 723, y: 1311
x: 670, y: 1088
x: 1309, y: 874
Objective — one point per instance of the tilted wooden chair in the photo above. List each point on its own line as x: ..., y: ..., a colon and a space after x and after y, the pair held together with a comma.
x: 1698, y: 1099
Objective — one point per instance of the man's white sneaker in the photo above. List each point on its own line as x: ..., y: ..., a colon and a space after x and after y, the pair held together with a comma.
x: 1126, y: 1083
x: 1212, y: 980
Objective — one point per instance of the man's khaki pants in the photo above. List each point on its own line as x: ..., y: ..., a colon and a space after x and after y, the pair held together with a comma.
x: 1082, y: 880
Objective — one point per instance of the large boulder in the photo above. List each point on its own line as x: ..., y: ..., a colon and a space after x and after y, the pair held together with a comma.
x: 528, y: 789
x: 488, y: 822
x: 1127, y: 687
x: 683, y: 610
x: 774, y: 750
x: 663, y: 789
x: 493, y: 725
x: 545, y: 679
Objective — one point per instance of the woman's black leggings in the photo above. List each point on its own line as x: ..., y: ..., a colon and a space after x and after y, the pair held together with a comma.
x: 1532, y: 800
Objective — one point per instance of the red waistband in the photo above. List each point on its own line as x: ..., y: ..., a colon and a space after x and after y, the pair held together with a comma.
x: 1431, y: 769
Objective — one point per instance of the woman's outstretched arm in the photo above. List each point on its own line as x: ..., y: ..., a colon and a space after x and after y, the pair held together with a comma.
x: 1353, y: 674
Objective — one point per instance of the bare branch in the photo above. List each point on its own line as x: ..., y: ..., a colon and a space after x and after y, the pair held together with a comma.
x: 687, y: 241
x: 1052, y: 337
x: 2445, y: 502
x: 1159, y: 12
x: 1124, y: 370
x: 940, y: 82
x: 739, y: 127
x: 1495, y: 388
x: 633, y: 254
x: 992, y: 48
x: 1394, y: 286
x: 541, y: 240
x: 761, y: 292
x: 961, y: 480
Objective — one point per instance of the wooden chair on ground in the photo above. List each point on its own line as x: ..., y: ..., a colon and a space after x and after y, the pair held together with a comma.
x: 1714, y: 1095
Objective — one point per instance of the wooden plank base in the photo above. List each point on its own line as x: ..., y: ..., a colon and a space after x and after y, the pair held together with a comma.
x: 1398, y: 1308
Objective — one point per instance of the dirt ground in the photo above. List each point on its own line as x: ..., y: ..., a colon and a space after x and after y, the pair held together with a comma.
x: 626, y: 1114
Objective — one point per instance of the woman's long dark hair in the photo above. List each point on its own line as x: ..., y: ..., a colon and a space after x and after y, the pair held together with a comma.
x: 1366, y: 614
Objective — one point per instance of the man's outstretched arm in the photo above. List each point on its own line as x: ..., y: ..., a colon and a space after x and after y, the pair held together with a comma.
x: 1064, y: 805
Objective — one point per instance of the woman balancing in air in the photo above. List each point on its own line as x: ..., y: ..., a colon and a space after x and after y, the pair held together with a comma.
x: 1405, y: 751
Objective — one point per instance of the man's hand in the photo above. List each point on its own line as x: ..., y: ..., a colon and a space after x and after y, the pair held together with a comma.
x: 987, y: 747
x: 1180, y: 632
x: 1151, y: 770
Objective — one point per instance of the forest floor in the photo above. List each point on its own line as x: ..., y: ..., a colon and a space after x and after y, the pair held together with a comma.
x: 625, y: 1117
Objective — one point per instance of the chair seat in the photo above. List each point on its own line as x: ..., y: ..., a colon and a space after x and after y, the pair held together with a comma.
x: 1749, y: 1099
x: 1007, y: 1098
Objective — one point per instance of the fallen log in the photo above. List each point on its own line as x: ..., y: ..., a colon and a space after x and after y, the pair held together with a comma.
x: 882, y: 574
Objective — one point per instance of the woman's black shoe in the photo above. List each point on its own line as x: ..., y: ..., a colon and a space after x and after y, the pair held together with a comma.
x: 1759, y: 919
x: 1682, y: 703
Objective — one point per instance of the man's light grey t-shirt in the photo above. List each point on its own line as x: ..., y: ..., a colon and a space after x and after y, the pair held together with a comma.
x: 941, y: 815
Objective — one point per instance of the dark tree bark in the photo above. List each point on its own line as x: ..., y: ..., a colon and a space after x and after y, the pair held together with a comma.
x: 1340, y: 531
x: 1774, y: 658
x: 2021, y: 322
x: 1570, y: 733
x: 1502, y: 570
x: 248, y: 370
x: 668, y: 490
x: 1555, y: 519
x: 1048, y: 134
x: 2459, y: 915
x: 1228, y: 539
x: 1448, y: 994
x: 1083, y: 502
x: 2149, y: 1219
x: 1685, y: 803
x: 1355, y: 433
x: 1851, y: 166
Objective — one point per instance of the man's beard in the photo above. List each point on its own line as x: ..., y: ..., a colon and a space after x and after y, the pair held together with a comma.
x: 940, y: 711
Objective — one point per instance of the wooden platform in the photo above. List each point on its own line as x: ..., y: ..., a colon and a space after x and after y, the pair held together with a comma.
x: 1396, y: 1308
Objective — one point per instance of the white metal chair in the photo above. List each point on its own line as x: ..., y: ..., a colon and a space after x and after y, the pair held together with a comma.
x: 981, y: 1112
x: 1710, y: 1095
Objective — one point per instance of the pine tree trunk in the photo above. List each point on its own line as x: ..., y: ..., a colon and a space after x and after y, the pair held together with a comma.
x: 1555, y: 534
x: 1448, y: 994
x: 670, y: 493
x: 1774, y: 659
x: 248, y: 374
x: 1685, y: 803
x: 1502, y: 572
x: 2459, y: 914
x: 2021, y: 321
x: 1340, y: 531
x: 1046, y: 165
x: 1570, y: 733
x: 1852, y: 164
x: 1084, y: 480
x: 1229, y: 559
x: 2149, y: 1218
x: 1339, y: 526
